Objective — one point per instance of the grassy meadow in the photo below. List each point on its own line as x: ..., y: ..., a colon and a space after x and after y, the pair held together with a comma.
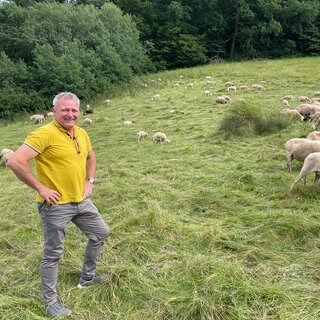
x: 203, y: 227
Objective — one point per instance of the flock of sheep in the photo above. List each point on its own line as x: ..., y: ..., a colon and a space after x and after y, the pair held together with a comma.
x: 304, y: 149
x: 301, y: 149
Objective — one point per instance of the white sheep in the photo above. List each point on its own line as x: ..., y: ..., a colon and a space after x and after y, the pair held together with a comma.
x: 208, y: 78
x: 285, y: 103
x: 304, y: 99
x: 232, y: 88
x: 160, y: 137
x: 87, y: 122
x: 243, y: 87
x: 315, y: 117
x: 299, y: 149
x: 207, y: 93
x: 293, y: 113
x: 127, y: 122
x: 141, y: 135
x: 190, y: 85
x: 307, y: 110
x: 221, y: 100
x: 156, y: 97
x: 317, y: 93
x: 5, y: 155
x: 229, y: 84
x: 176, y: 85
x: 314, y: 135
x: 50, y: 114
x: 287, y: 97
x: 315, y: 99
x: 311, y: 164
x: 37, y: 118
x: 258, y: 87
x: 108, y: 101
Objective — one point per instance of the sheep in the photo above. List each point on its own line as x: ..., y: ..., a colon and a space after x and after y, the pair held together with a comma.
x: 243, y: 87
x: 299, y: 149
x: 314, y: 135
x: 5, y: 155
x: 293, y: 113
x: 207, y: 93
x: 127, y: 122
x: 317, y: 93
x: 141, y: 135
x: 303, y: 99
x: 285, y: 103
x: 190, y: 85
x: 307, y: 110
x: 49, y: 114
x: 315, y: 117
x: 311, y: 164
x: 176, y: 85
x: 232, y: 88
x: 209, y: 78
x: 108, y: 101
x: 258, y: 87
x: 37, y: 118
x: 160, y: 137
x: 89, y: 110
x: 229, y: 84
x: 287, y: 97
x: 87, y: 122
x: 156, y: 97
x: 317, y: 103
x: 221, y: 100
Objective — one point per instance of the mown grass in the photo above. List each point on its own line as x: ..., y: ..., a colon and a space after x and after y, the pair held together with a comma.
x: 204, y: 227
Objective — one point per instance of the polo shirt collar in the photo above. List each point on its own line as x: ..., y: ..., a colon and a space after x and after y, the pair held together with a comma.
x: 62, y: 129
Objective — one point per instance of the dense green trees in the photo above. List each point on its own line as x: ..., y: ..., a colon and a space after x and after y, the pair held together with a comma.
x: 89, y: 46
x: 49, y: 47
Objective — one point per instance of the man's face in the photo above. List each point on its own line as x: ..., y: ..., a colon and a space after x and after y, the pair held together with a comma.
x: 67, y: 112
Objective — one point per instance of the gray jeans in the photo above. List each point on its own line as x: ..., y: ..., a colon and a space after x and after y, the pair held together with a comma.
x: 55, y: 218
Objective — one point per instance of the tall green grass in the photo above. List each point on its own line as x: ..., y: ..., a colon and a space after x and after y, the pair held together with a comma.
x: 203, y: 227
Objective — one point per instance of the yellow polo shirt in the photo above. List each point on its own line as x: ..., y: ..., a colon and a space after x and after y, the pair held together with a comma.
x: 61, y: 160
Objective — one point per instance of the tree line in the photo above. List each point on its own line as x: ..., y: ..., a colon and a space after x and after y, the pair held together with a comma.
x: 89, y: 46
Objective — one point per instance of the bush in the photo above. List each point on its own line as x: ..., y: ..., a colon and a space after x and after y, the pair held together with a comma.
x: 246, y: 118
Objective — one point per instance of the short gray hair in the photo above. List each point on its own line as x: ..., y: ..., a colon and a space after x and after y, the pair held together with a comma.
x: 63, y: 95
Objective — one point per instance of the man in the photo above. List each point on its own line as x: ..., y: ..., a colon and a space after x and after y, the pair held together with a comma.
x: 65, y: 170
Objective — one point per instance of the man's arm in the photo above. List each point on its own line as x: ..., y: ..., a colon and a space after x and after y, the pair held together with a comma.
x: 91, y: 171
x: 19, y: 164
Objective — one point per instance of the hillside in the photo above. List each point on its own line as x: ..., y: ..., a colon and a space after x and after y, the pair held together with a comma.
x: 203, y: 227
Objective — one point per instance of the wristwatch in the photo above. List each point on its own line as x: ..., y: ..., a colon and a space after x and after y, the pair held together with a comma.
x: 91, y: 180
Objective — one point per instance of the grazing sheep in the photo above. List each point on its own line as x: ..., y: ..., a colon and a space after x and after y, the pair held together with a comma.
x: 285, y: 103
x: 209, y: 78
x: 207, y: 93
x: 172, y: 111
x: 221, y: 100
x: 127, y: 122
x: 88, y: 110
x: 50, y: 115
x: 108, y: 101
x: 315, y: 117
x: 243, y: 87
x: 258, y: 87
x: 229, y: 84
x: 314, y: 135
x: 87, y: 122
x: 317, y: 94
x: 160, y: 137
x: 37, y: 118
x: 303, y: 99
x: 232, y: 88
x: 5, y: 155
x: 293, y: 113
x: 299, y: 149
x: 190, y: 85
x: 311, y: 164
x: 141, y: 135
x: 176, y: 85
x: 307, y: 110
x: 287, y: 97
x: 156, y: 97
